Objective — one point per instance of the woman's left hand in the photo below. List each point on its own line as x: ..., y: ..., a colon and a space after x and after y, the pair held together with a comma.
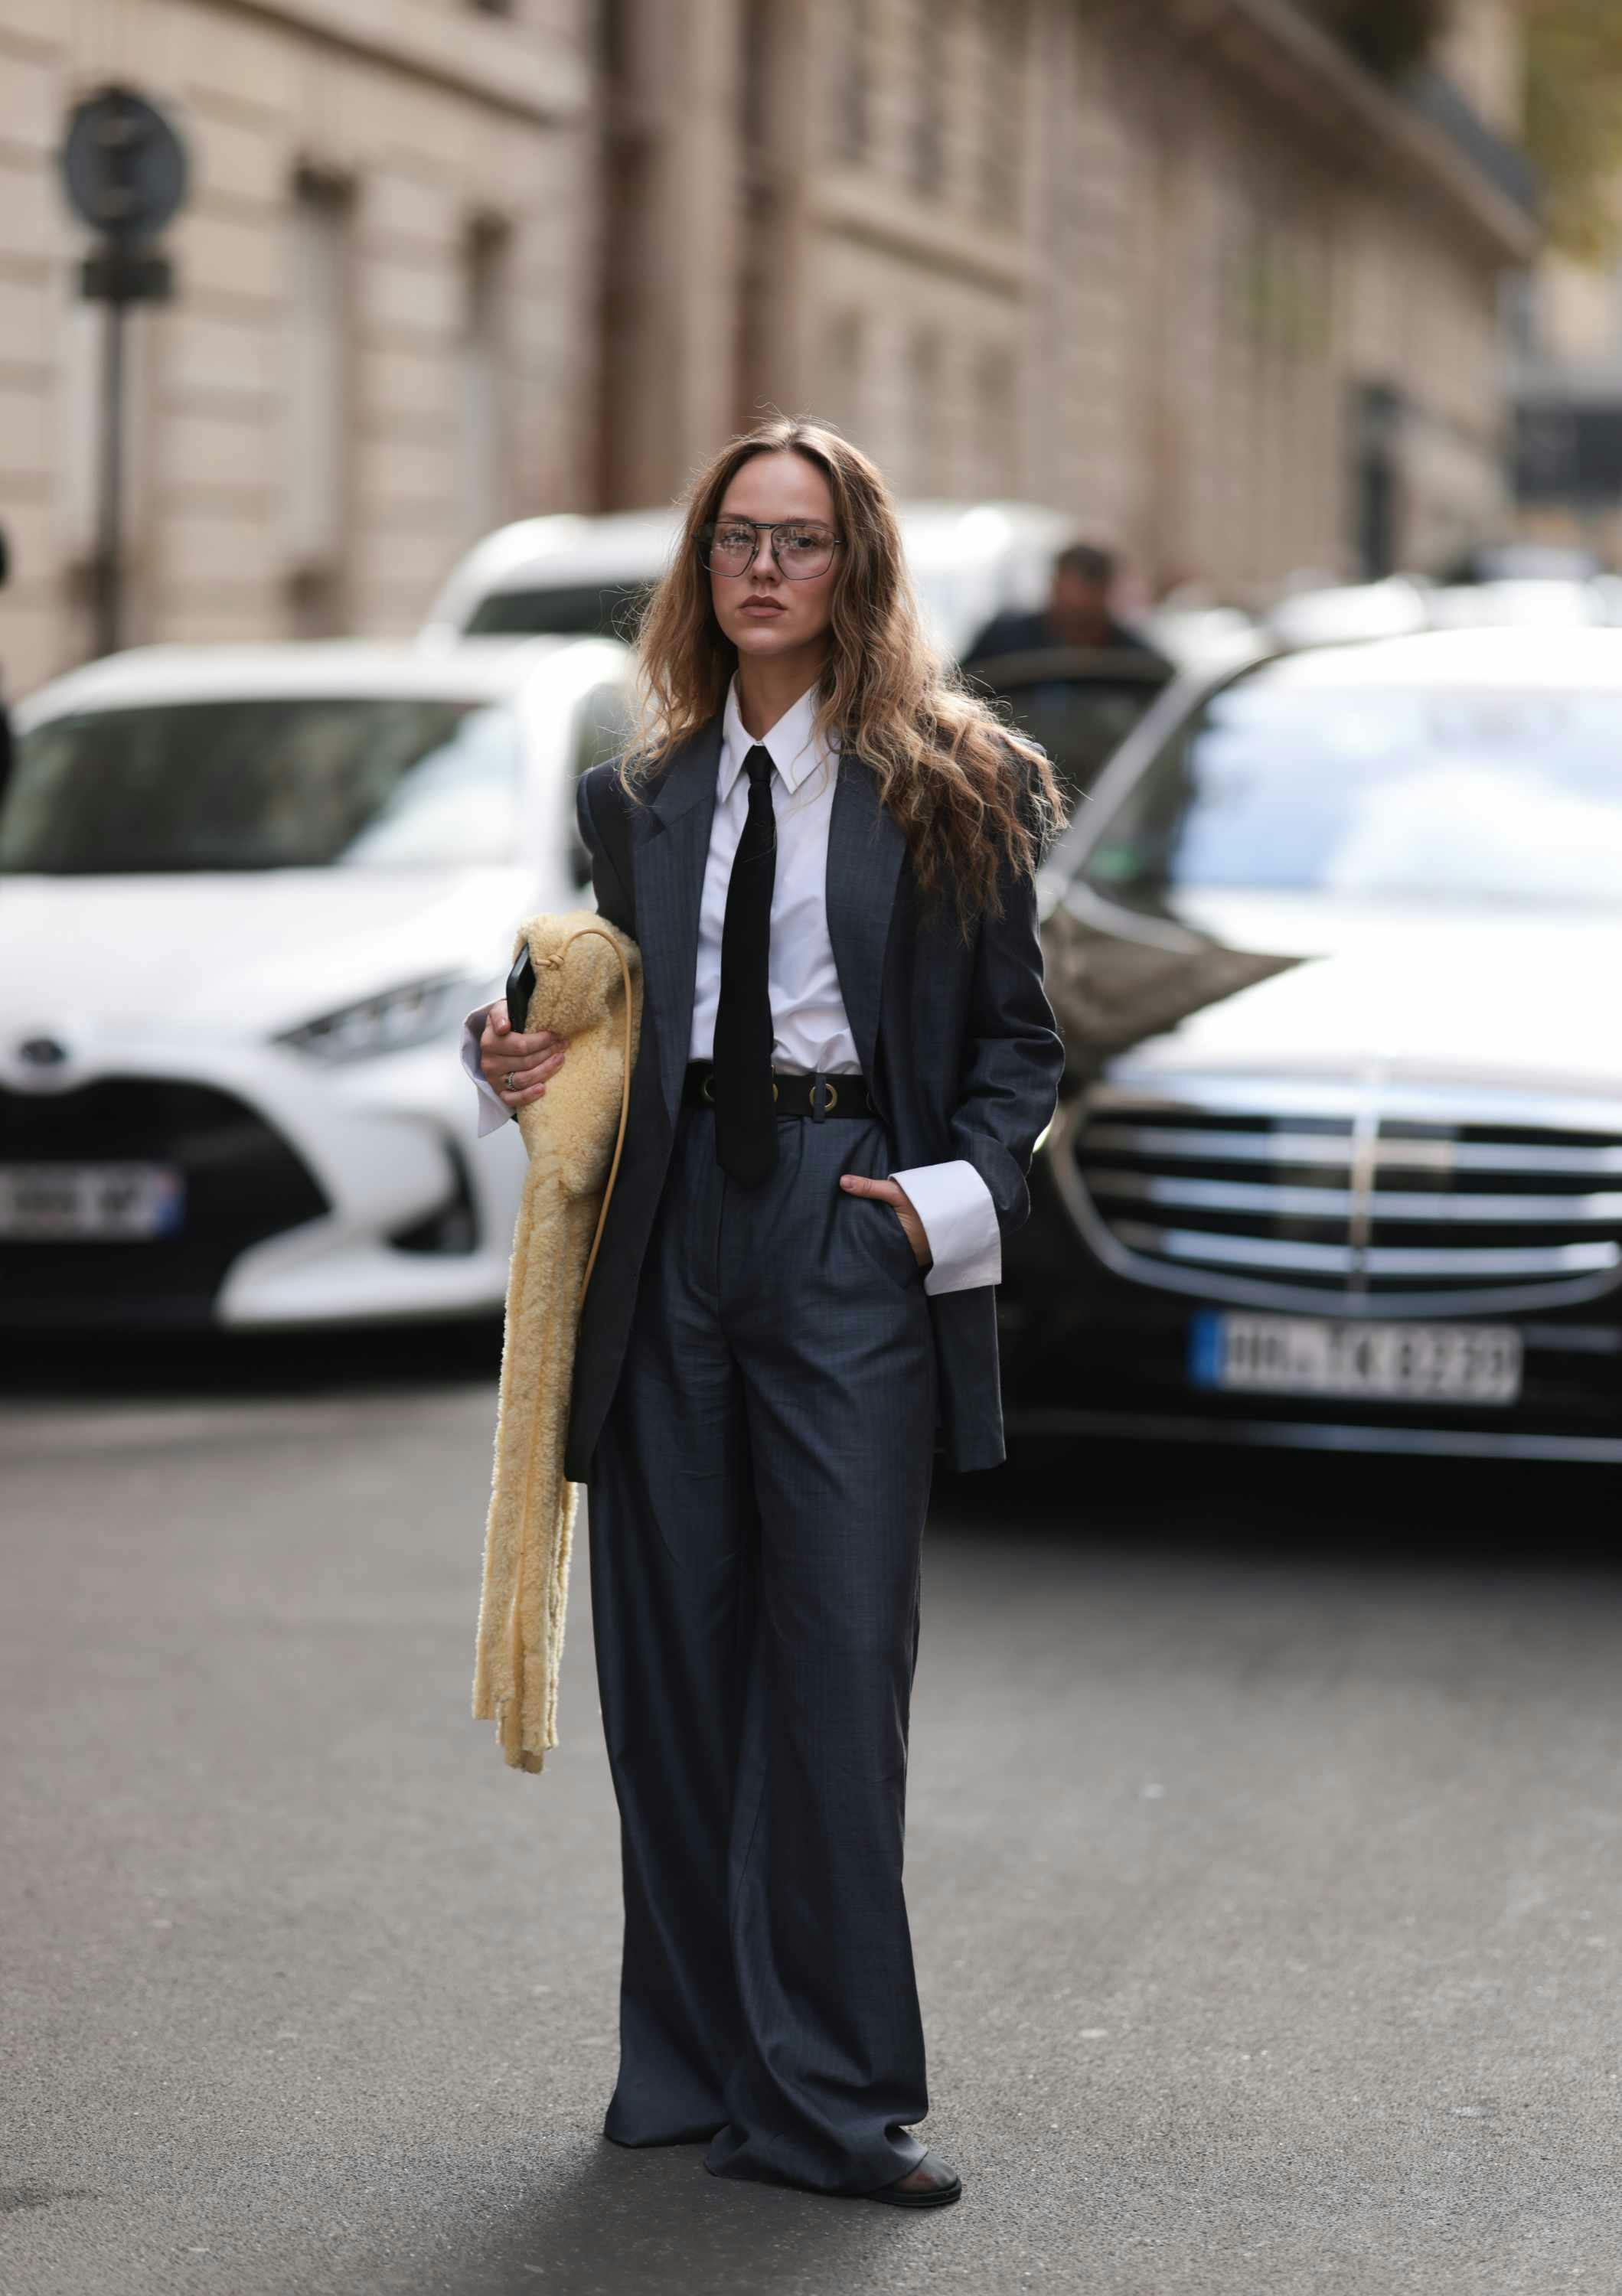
x: 890, y: 1191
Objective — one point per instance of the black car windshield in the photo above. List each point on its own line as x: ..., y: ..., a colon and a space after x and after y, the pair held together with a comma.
x: 578, y: 610
x: 1402, y: 795
x: 289, y: 784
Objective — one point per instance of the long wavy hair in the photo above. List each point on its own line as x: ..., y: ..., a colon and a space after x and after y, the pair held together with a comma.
x: 973, y: 798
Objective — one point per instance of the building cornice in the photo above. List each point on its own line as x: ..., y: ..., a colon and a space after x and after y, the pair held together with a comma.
x: 496, y: 59
x: 879, y: 213
x: 1277, y: 45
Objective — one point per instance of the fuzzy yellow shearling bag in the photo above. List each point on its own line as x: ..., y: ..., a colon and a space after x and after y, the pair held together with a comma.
x: 587, y: 988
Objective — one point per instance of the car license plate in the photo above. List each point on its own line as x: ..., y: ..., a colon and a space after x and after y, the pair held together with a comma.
x: 1375, y: 1363
x: 90, y: 1202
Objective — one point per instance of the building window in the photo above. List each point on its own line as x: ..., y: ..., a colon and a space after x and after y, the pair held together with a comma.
x: 1002, y: 33
x: 932, y: 54
x: 483, y: 348
x: 844, y: 374
x: 1520, y: 313
x: 926, y: 361
x: 319, y: 401
x: 614, y: 40
x: 996, y: 422
x: 853, y: 82
x: 755, y: 54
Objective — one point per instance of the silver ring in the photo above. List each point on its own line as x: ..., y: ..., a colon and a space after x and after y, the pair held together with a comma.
x: 510, y: 1085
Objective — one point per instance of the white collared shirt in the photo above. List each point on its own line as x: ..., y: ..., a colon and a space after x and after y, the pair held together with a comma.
x: 810, y: 1029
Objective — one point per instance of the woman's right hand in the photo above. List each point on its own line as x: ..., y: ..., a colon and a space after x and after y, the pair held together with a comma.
x: 514, y: 1066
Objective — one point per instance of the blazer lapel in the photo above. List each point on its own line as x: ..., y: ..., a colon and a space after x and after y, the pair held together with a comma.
x: 670, y: 846
x: 865, y: 847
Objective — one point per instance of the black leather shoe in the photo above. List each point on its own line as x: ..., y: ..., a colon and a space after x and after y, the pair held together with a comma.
x: 933, y: 2183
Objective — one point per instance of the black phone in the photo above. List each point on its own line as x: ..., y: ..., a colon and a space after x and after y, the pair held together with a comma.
x: 520, y: 988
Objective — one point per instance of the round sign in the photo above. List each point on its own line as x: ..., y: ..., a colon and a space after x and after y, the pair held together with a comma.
x: 124, y: 167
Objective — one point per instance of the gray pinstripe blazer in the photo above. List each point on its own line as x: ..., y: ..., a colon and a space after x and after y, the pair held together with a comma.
x: 956, y: 1039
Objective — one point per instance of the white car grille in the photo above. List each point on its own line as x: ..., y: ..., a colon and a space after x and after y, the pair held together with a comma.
x: 1356, y: 1192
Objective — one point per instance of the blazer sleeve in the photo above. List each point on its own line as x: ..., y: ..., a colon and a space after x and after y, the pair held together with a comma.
x: 1013, y: 1056
x: 612, y: 895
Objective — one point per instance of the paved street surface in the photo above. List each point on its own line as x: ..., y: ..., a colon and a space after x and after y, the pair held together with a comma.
x: 1264, y: 1857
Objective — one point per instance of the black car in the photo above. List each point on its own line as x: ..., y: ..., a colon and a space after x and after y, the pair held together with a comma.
x: 1335, y: 947
x: 1078, y: 703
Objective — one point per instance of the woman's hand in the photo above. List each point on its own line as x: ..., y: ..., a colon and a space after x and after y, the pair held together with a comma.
x: 890, y: 1191
x: 515, y: 1066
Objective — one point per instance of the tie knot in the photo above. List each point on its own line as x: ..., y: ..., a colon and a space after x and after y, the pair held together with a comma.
x: 758, y: 766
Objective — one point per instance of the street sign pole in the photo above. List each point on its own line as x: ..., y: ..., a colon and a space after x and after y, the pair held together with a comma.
x: 109, y: 494
x: 124, y: 169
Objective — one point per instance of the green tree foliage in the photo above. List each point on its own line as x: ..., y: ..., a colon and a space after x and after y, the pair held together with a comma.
x: 1574, y: 120
x: 1389, y: 37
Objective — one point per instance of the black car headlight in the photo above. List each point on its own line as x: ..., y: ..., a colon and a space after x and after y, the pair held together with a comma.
x: 394, y: 1022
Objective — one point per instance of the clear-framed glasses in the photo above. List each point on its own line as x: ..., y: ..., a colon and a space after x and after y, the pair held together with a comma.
x: 802, y: 548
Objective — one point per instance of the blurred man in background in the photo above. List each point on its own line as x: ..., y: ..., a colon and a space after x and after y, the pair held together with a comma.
x: 1079, y: 613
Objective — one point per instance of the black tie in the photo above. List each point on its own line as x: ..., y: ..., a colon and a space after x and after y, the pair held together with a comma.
x: 746, y: 1130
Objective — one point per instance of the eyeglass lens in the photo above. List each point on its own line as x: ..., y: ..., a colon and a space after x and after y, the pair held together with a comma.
x: 801, y: 552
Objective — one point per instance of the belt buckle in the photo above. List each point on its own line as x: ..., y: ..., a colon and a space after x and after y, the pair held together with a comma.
x: 819, y: 1109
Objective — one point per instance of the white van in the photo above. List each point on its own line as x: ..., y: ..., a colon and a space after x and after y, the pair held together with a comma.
x: 586, y: 576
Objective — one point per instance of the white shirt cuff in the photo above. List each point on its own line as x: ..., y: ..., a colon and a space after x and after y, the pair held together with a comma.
x: 493, y: 1109
x: 960, y: 1222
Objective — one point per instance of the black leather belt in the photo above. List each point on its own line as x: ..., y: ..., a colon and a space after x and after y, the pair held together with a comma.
x: 793, y: 1093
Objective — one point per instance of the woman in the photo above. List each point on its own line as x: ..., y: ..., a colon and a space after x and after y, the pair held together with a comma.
x: 824, y: 849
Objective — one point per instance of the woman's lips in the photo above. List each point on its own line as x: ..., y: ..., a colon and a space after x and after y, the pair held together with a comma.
x: 761, y: 607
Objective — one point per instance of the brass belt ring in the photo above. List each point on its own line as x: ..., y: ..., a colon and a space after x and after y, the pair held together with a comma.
x: 706, y: 1086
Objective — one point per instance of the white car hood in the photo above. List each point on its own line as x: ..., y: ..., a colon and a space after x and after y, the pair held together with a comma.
x: 241, y: 955
x: 1496, y: 1000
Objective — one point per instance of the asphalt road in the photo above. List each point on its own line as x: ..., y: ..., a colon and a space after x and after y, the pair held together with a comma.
x: 1263, y: 1853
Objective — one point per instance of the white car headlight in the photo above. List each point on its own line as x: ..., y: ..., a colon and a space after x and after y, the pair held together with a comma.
x: 393, y: 1022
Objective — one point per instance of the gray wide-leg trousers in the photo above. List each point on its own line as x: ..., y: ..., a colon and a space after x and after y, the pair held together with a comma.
x: 757, y: 1505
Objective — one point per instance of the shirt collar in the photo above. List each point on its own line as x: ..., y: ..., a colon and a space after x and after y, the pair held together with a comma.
x: 791, y: 744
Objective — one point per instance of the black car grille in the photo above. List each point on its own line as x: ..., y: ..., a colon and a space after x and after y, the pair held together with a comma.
x: 242, y: 1183
x: 1355, y: 1203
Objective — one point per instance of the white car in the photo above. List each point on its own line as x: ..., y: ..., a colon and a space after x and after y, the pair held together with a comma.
x: 565, y: 574
x: 246, y: 896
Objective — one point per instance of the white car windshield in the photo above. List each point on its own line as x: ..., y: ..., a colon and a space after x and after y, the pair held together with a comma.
x: 288, y: 784
x: 954, y: 604
x: 570, y: 610
x: 1370, y: 794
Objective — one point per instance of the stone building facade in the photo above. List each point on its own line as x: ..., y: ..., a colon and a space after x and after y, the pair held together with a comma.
x: 379, y: 344
x: 1183, y: 268
x: 1177, y: 266
x: 1566, y: 382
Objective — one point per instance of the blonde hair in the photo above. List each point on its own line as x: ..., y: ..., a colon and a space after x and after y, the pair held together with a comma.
x: 970, y: 795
